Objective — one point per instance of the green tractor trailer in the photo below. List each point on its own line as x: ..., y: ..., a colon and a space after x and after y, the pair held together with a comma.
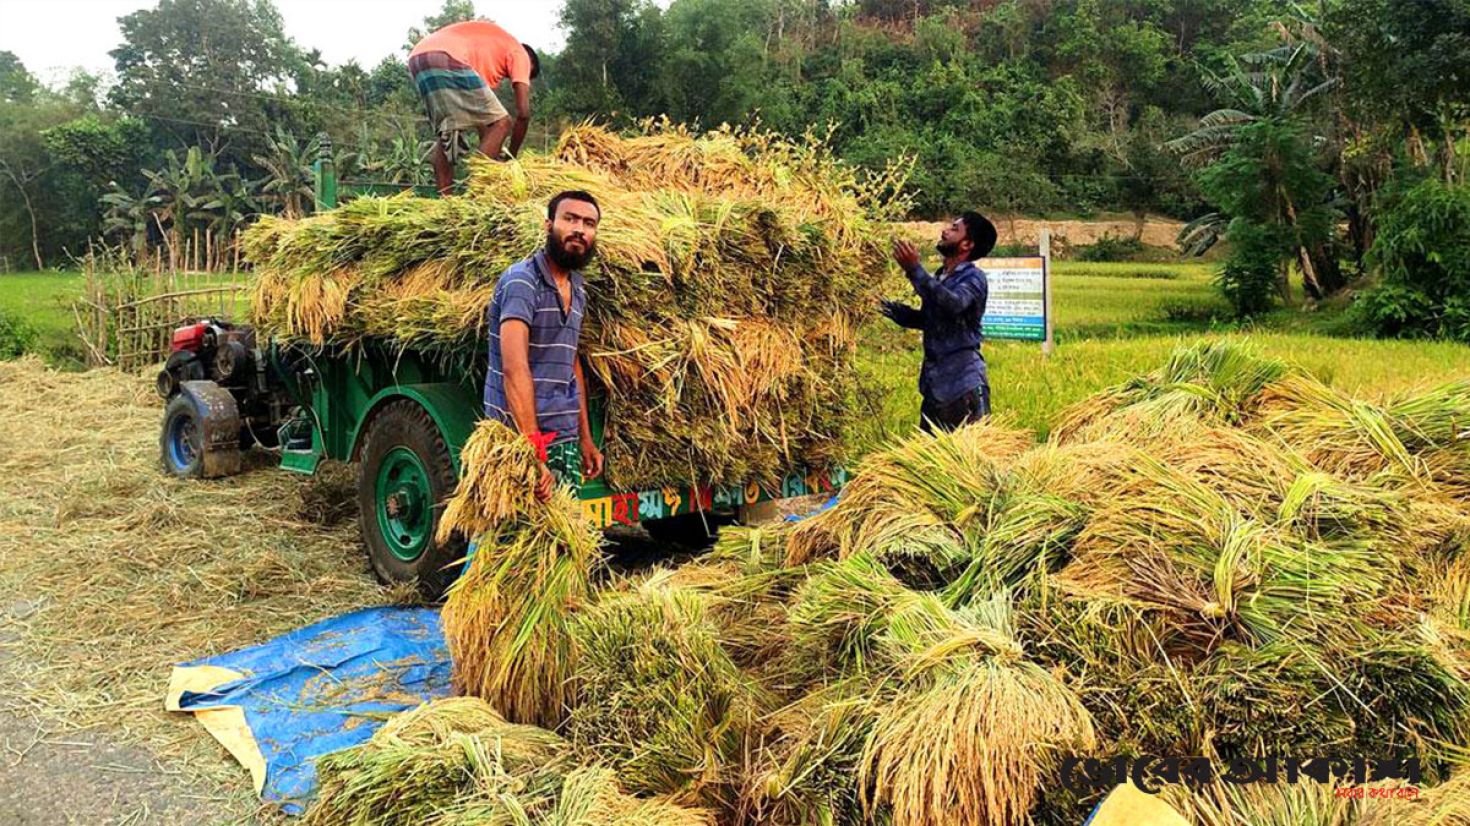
x: 403, y: 418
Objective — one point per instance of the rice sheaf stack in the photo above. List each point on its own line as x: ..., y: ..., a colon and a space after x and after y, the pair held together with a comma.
x: 734, y: 270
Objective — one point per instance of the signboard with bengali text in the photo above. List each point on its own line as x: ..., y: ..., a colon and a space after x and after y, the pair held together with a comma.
x: 1016, y: 308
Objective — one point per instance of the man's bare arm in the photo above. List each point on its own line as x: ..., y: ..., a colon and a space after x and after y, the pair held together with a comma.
x: 582, y: 394
x: 523, y: 117
x: 520, y: 390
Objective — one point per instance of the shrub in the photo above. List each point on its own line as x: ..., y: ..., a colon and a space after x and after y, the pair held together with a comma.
x: 16, y: 337
x: 1422, y: 257
x: 1111, y: 248
x: 1252, y: 272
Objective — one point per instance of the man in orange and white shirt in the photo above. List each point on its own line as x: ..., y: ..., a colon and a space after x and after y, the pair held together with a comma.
x: 456, y: 70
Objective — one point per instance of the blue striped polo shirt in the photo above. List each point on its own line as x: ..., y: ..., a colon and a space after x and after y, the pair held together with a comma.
x: 527, y: 292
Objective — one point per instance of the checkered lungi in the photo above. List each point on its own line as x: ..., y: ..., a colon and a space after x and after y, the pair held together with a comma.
x: 457, y: 100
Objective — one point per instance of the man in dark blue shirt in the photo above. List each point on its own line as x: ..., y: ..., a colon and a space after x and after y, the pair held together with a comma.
x: 953, y: 380
x: 535, y: 381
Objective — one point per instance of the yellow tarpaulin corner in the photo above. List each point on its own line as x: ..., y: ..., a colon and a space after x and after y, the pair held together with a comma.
x: 1125, y: 805
x: 225, y: 723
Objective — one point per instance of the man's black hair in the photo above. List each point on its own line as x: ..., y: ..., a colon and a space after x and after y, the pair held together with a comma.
x: 571, y: 195
x: 980, y: 231
x: 535, y: 61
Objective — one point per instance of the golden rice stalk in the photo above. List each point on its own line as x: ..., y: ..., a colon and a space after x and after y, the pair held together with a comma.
x: 660, y: 699
x: 591, y: 797
x: 963, y: 726
x: 506, y: 618
x: 972, y: 726
x: 923, y: 489
x: 427, y: 763
x: 498, y: 483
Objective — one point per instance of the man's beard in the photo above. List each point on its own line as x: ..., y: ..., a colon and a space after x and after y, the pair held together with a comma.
x: 947, y: 249
x: 565, y: 258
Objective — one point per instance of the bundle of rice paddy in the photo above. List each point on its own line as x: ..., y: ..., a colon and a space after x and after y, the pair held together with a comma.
x: 457, y: 762
x: 958, y: 726
x: 1185, y: 572
x: 591, y: 797
x: 1219, y: 382
x: 448, y: 762
x: 1424, y: 436
x: 660, y: 697
x: 1444, y: 804
x: 914, y: 498
x: 506, y: 619
x: 734, y: 269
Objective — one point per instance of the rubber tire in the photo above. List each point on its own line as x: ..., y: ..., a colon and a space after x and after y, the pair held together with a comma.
x: 687, y: 530
x: 405, y: 424
x: 181, y: 406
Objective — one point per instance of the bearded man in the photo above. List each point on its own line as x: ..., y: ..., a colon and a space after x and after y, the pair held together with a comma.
x: 535, y: 382
x: 954, y: 382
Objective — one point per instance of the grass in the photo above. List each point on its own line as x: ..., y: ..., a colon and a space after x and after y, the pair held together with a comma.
x: 43, y: 301
x: 1029, y: 389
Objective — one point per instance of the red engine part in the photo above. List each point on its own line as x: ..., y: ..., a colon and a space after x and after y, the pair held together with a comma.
x: 189, y: 338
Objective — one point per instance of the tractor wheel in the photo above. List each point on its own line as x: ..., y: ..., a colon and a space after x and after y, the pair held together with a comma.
x: 181, y: 441
x: 404, y: 475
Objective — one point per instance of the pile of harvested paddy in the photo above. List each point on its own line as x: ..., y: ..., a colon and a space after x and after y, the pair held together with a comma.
x: 734, y: 269
x: 1180, y: 572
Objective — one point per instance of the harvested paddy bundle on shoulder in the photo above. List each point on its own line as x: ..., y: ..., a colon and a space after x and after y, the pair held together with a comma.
x: 734, y: 269
x: 446, y: 762
x: 506, y: 619
x: 659, y: 697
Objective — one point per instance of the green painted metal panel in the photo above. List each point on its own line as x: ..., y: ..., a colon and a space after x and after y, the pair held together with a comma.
x: 451, y: 405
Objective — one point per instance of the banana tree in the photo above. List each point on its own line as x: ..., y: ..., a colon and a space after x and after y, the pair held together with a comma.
x: 127, y: 216
x: 288, y: 178
x: 1274, y: 89
x: 224, y: 214
x: 177, y: 191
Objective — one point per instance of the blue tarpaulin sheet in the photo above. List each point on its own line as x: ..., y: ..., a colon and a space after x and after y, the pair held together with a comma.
x: 318, y: 689
x: 797, y: 517
x: 279, y: 705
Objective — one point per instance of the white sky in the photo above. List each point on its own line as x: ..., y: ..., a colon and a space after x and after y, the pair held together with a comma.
x: 52, y: 36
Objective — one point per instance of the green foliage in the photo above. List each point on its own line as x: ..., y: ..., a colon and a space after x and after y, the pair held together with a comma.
x: 16, y: 337
x: 1422, y: 255
x: 1406, y: 61
x: 194, y: 69
x: 1110, y: 248
x: 1250, y: 276
x: 1268, y: 185
x: 16, y: 83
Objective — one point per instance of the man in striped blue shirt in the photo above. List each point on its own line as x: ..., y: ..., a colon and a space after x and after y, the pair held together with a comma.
x: 535, y: 381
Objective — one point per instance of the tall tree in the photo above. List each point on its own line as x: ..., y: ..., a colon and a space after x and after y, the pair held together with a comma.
x: 1408, y: 64
x: 614, y: 58
x: 201, y: 72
